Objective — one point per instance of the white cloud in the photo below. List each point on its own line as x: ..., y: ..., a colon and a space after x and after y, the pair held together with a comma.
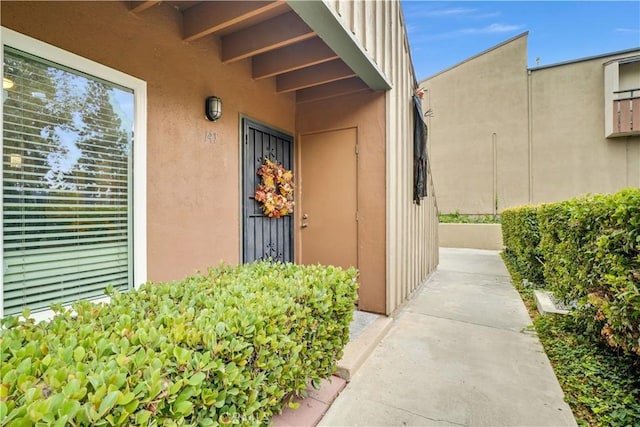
x: 492, y: 29
x: 628, y: 30
x: 496, y: 28
x: 455, y: 11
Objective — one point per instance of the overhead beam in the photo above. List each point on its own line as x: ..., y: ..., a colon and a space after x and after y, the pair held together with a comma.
x: 312, y: 76
x: 141, y: 6
x: 210, y: 17
x: 290, y: 58
x: 340, y: 39
x: 331, y: 90
x: 275, y: 33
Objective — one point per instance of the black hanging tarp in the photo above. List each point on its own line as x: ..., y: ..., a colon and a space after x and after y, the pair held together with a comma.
x: 419, y: 152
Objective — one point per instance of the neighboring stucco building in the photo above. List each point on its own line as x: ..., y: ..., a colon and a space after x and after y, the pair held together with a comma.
x: 501, y: 134
x: 306, y: 83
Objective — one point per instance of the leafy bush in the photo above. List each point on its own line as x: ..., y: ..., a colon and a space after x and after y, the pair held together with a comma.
x: 601, y: 386
x: 214, y: 349
x: 521, y: 238
x: 590, y: 249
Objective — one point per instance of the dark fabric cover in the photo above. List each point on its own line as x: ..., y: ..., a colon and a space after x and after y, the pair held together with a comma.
x: 419, y: 152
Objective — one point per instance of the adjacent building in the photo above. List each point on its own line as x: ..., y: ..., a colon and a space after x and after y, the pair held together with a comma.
x: 502, y: 134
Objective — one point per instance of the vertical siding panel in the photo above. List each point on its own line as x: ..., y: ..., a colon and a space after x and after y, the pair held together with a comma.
x: 404, y: 256
x: 379, y: 35
x: 412, y: 229
x: 369, y: 15
x: 358, y: 24
x: 339, y: 7
x: 393, y: 174
x: 346, y: 7
x: 405, y: 148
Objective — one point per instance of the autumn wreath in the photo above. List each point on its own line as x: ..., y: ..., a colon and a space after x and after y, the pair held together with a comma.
x: 276, y: 190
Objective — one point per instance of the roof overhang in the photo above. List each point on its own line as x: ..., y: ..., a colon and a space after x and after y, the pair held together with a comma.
x: 330, y: 29
x: 303, y: 45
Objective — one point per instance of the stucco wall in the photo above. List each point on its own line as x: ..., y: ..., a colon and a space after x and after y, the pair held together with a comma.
x: 193, y: 181
x: 365, y: 111
x: 550, y: 132
x: 475, y: 236
x: 476, y: 105
x: 570, y: 155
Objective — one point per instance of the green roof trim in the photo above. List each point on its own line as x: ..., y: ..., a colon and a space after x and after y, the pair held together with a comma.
x: 330, y: 29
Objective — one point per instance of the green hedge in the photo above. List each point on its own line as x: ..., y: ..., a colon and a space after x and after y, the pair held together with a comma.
x: 521, y: 238
x: 221, y: 348
x: 589, y: 251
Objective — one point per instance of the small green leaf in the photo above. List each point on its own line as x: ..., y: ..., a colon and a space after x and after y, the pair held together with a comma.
x: 78, y: 354
x: 196, y: 379
x: 293, y: 405
x: 125, y: 398
x: 109, y: 401
x: 183, y: 408
x: 142, y: 417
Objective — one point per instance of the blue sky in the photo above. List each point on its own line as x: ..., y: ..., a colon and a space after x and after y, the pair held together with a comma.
x: 444, y: 33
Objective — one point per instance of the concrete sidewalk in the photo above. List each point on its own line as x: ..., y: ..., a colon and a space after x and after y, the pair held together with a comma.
x: 457, y: 355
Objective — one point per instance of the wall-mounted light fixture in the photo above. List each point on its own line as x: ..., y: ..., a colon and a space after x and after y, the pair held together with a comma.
x: 7, y: 83
x: 213, y: 108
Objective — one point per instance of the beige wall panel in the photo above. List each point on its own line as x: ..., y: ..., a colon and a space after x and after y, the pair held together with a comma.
x: 549, y: 130
x: 193, y: 181
x: 364, y: 111
x: 570, y: 155
x: 474, y: 104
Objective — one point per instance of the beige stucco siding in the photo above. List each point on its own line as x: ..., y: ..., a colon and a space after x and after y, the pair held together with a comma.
x: 478, y: 132
x: 549, y: 125
x: 193, y: 182
x: 570, y: 154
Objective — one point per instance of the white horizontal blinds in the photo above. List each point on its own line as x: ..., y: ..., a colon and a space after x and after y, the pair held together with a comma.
x: 67, y: 175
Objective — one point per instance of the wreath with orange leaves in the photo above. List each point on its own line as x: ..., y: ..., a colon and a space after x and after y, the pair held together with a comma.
x: 275, y: 192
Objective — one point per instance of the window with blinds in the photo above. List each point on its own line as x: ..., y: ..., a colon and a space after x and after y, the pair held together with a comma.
x: 67, y: 184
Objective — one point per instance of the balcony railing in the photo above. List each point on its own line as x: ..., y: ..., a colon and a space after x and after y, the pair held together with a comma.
x: 626, y: 112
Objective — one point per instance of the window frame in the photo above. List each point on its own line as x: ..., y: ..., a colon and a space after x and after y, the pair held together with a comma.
x: 49, y: 52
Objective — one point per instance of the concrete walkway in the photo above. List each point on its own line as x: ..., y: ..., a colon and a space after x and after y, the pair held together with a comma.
x: 457, y: 355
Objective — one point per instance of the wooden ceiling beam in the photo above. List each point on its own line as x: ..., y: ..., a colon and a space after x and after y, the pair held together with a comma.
x: 331, y: 90
x: 141, y: 6
x: 290, y: 58
x: 313, y: 76
x: 210, y: 17
x: 275, y: 33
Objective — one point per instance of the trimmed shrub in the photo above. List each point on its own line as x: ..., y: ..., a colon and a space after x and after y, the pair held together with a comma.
x: 521, y: 238
x: 220, y: 348
x: 590, y: 248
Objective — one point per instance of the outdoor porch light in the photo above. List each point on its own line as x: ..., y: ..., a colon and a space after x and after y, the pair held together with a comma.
x: 213, y: 108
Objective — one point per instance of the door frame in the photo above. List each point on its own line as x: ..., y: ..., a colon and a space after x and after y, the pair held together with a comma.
x: 243, y: 118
